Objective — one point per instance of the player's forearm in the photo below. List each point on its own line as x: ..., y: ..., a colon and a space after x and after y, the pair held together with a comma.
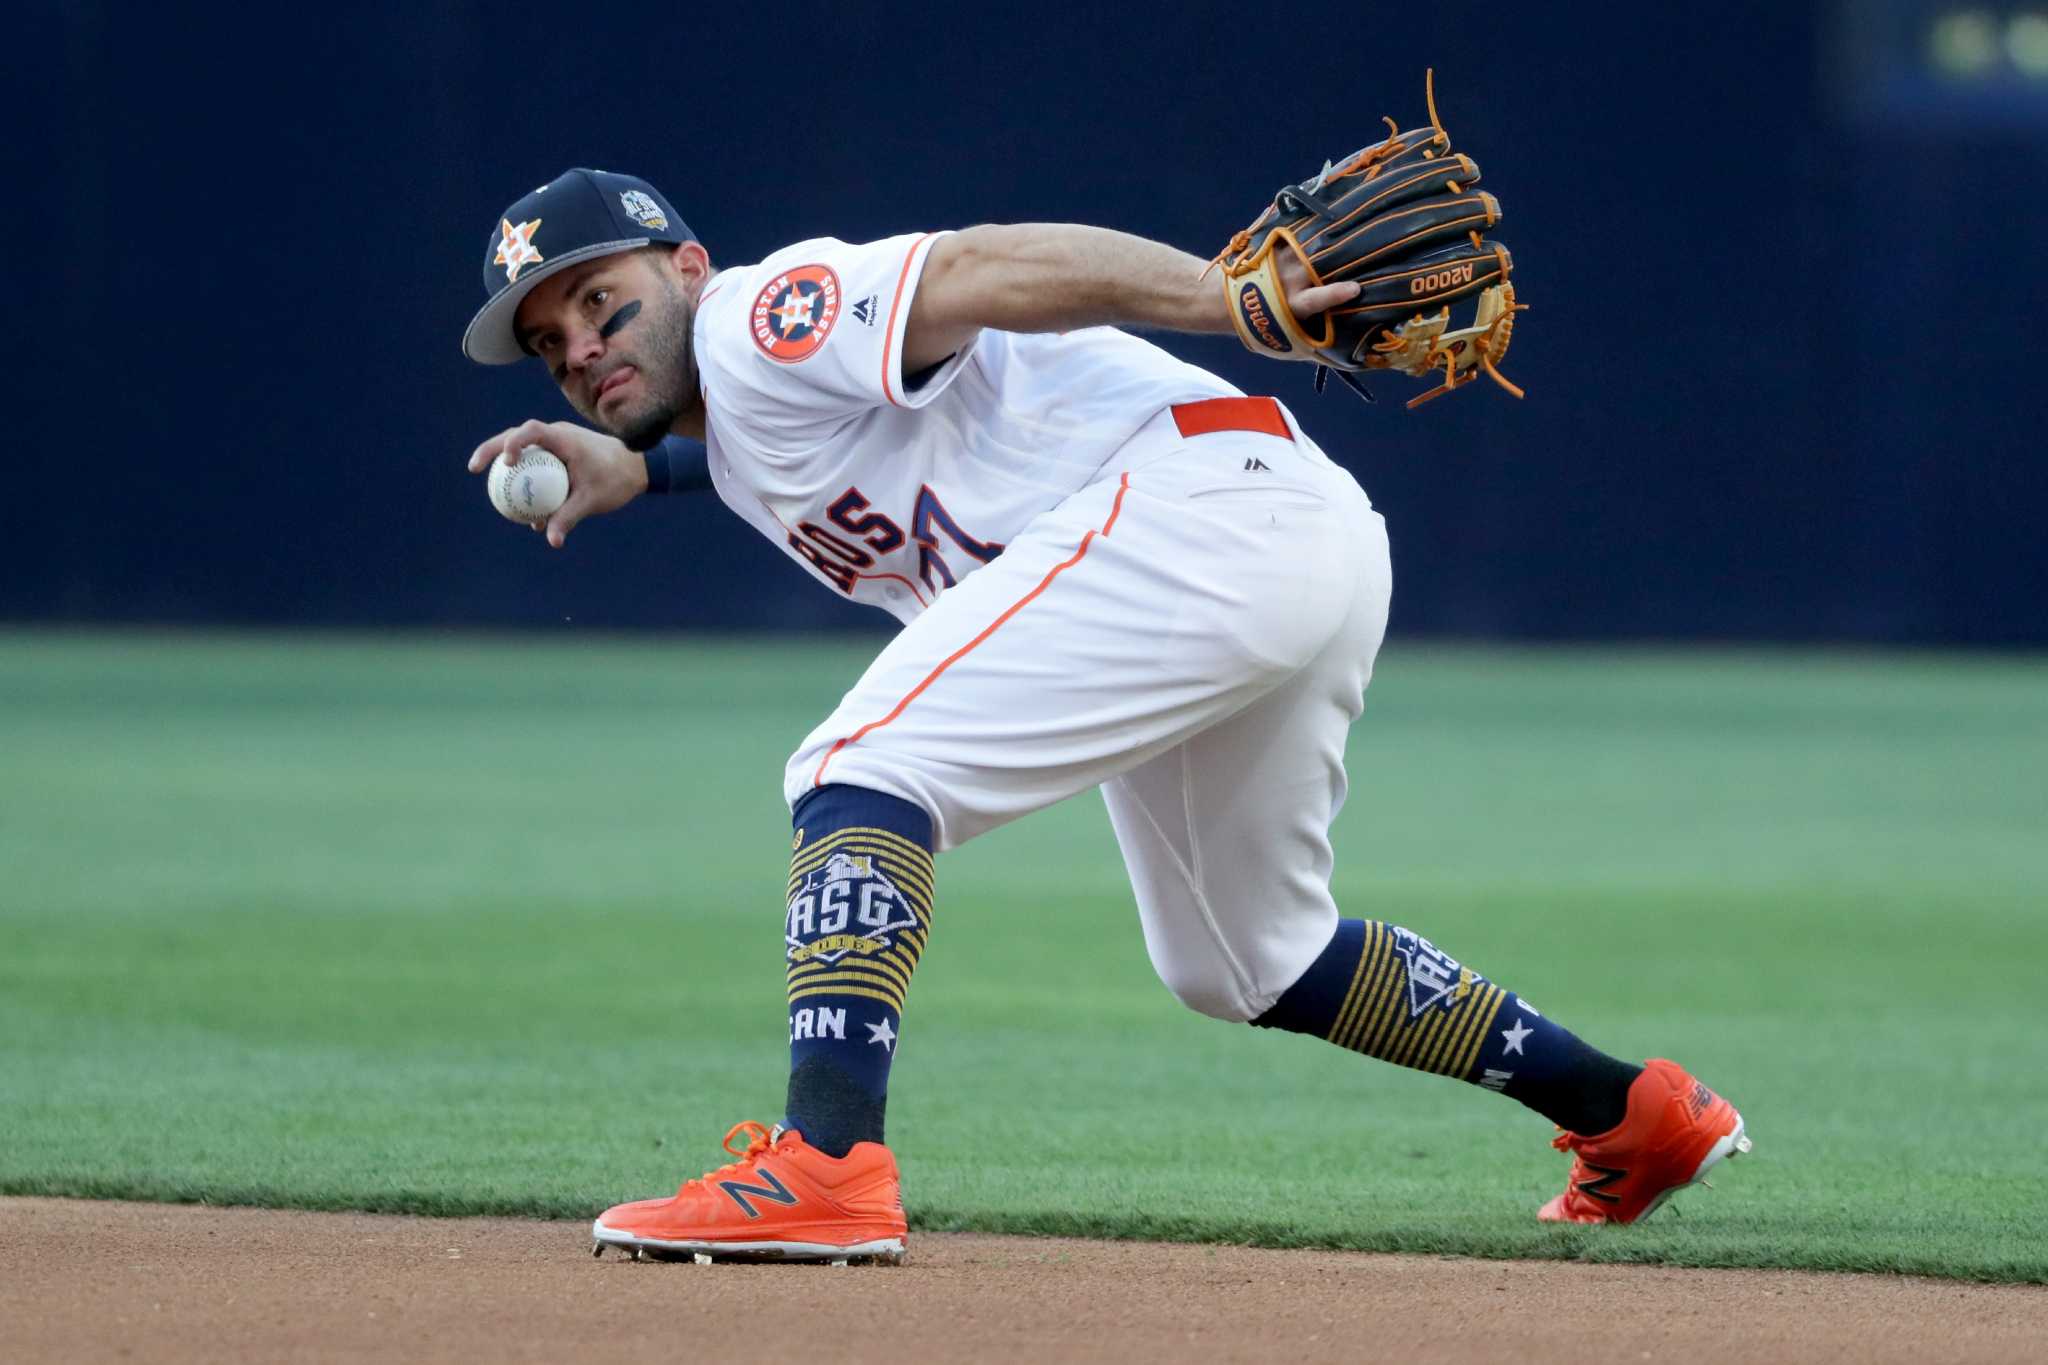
x: 1055, y: 277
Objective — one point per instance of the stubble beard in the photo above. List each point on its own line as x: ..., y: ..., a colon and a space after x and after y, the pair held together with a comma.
x: 667, y: 362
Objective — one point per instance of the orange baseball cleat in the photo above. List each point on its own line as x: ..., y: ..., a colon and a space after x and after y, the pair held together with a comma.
x: 781, y: 1200
x: 1675, y: 1131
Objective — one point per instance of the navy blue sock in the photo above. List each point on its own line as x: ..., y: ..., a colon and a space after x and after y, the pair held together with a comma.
x: 1389, y: 993
x: 860, y: 897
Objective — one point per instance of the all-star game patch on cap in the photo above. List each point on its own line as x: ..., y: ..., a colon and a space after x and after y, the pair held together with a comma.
x: 578, y: 216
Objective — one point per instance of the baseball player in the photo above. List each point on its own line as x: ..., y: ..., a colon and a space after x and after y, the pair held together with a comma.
x: 1113, y: 570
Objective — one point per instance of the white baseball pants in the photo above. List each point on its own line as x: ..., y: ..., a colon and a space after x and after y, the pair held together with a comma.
x: 1193, y: 633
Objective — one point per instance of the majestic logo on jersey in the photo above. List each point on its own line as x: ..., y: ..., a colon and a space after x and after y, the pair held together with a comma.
x: 846, y: 906
x: 866, y: 311
x: 642, y: 209
x: 794, y: 314
x: 515, y: 248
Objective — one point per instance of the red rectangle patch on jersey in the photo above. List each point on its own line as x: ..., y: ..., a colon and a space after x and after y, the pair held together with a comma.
x: 1231, y: 414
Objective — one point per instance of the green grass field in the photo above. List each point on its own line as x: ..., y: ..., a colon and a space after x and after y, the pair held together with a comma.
x: 484, y: 926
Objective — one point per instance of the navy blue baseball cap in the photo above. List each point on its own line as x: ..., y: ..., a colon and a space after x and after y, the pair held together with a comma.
x: 578, y: 216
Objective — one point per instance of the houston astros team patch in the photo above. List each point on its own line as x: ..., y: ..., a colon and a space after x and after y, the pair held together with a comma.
x: 795, y: 311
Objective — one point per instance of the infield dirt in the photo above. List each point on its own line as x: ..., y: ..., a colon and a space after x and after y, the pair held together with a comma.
x: 92, y: 1281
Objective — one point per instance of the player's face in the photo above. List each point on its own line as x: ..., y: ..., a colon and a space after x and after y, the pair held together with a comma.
x: 616, y: 337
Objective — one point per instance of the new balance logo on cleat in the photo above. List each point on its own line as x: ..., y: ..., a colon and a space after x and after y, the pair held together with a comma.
x: 774, y: 1192
x: 1701, y: 1097
x: 1258, y: 465
x: 1609, y: 1175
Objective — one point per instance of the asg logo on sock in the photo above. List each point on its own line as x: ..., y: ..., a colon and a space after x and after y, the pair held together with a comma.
x: 846, y: 906
x: 1434, y: 976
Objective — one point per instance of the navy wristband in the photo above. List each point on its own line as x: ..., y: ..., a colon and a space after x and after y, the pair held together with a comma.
x: 678, y: 465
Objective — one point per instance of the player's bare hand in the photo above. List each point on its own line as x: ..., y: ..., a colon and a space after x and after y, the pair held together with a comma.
x: 1305, y: 299
x: 603, y: 474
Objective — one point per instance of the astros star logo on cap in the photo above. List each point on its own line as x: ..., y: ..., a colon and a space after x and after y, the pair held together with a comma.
x: 515, y: 247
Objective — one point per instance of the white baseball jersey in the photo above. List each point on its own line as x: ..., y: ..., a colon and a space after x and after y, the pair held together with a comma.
x: 890, y: 493
x: 1115, y: 571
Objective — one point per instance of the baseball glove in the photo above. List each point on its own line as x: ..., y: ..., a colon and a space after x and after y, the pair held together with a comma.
x: 1402, y: 219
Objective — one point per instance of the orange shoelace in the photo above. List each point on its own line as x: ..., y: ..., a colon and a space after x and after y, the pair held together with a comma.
x: 758, y: 1141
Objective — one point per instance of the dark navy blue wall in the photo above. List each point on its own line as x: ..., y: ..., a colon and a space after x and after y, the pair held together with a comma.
x: 1783, y: 362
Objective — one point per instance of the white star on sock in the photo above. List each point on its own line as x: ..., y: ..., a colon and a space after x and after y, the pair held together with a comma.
x: 1515, y: 1036
x: 884, y: 1035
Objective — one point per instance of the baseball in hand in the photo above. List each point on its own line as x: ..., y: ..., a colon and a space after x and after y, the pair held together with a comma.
x: 528, y: 486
